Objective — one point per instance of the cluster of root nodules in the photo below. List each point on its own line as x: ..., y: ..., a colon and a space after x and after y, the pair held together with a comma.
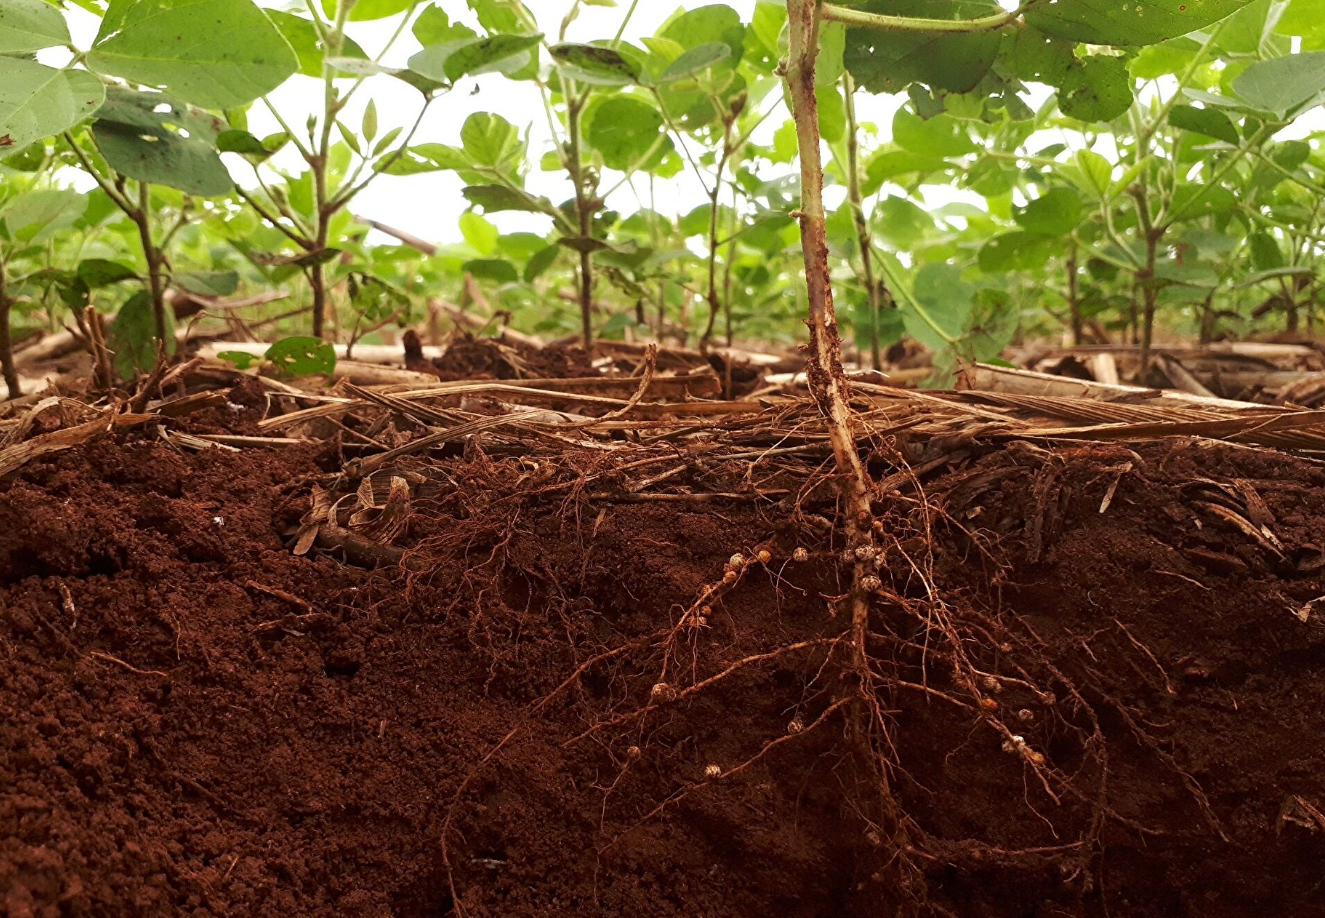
x: 598, y: 682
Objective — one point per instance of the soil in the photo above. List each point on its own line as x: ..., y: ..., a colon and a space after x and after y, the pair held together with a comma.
x: 470, y: 357
x: 196, y: 721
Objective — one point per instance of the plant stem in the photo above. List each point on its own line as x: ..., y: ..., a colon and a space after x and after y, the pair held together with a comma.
x: 1073, y: 298
x: 874, y: 287
x: 715, y: 306
x: 319, y: 162
x: 1146, y: 277
x: 583, y: 212
x: 156, y: 287
x: 880, y: 22
x: 827, y: 381
x: 6, y: 339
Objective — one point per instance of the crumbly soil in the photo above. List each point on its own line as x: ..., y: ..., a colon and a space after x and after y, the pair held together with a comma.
x: 195, y: 721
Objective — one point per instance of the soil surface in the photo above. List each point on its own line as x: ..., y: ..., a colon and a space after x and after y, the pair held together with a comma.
x: 195, y: 721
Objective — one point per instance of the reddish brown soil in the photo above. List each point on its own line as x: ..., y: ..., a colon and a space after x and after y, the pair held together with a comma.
x: 178, y: 739
x: 470, y: 357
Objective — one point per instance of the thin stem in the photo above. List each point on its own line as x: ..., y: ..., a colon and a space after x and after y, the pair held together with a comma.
x: 156, y: 287
x: 111, y: 191
x: 880, y: 22
x: 272, y: 219
x: 583, y: 212
x: 616, y: 39
x: 872, y: 286
x: 6, y: 339
x: 714, y: 305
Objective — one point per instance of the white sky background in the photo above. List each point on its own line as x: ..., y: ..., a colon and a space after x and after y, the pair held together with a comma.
x: 428, y: 205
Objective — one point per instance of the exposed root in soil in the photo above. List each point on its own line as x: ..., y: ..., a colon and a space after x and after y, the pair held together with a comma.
x: 555, y: 587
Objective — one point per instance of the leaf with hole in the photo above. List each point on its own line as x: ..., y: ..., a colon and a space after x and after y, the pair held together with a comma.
x: 1100, y: 89
x: 153, y: 138
x: 302, y: 356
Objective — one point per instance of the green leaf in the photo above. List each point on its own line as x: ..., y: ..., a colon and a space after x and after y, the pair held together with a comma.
x: 900, y: 222
x: 498, y: 270
x: 1282, y: 84
x: 132, y: 333
x: 597, y: 65
x: 941, y: 136
x: 1207, y: 121
x: 692, y: 61
x: 30, y: 25
x: 832, y: 112
x: 481, y: 235
x: 490, y: 140
x: 434, y: 27
x: 100, y: 272
x: 141, y: 135
x: 495, y: 54
x: 242, y: 360
x: 1265, y: 252
x: 207, y: 283
x: 891, y: 61
x: 1017, y: 251
x: 539, y: 262
x: 623, y: 129
x: 944, y: 302
x: 303, y: 38
x: 244, y: 143
x: 497, y: 16
x: 302, y: 356
x: 887, y: 164
x: 708, y: 24
x: 1116, y: 22
x: 36, y: 216
x: 367, y: 10
x: 1055, y: 213
x: 1191, y: 202
x: 377, y: 300
x: 496, y: 198
x: 1090, y: 172
x: 1099, y: 90
x: 1041, y: 57
x: 37, y: 101
x: 212, y: 53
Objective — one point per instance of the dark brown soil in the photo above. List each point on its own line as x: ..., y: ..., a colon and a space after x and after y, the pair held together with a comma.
x: 196, y: 722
